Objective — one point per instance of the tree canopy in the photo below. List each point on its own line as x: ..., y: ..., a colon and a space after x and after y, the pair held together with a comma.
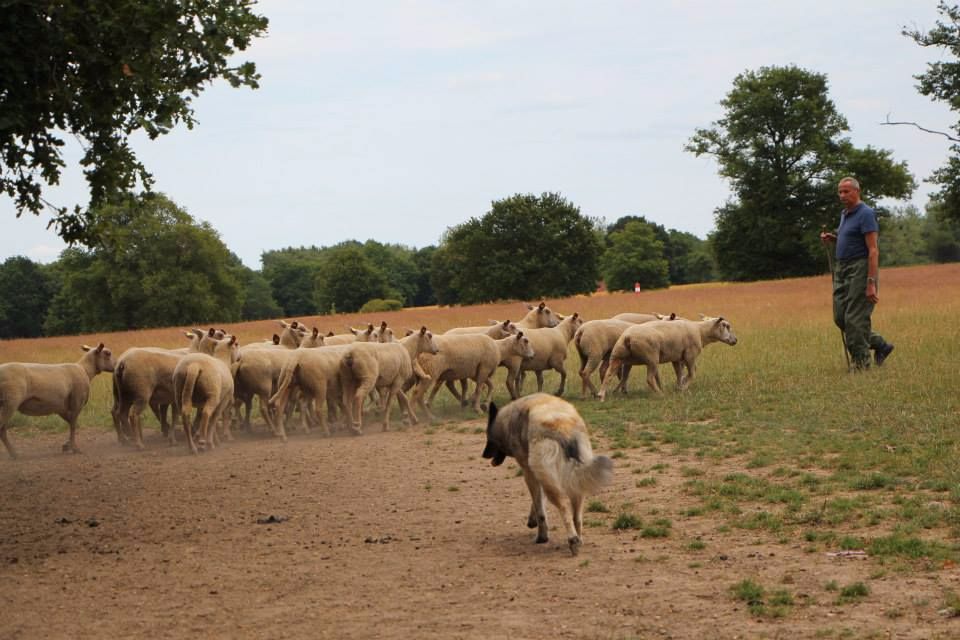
x: 154, y: 266
x: 99, y: 71
x: 780, y: 145
x: 941, y: 82
x: 526, y: 247
x: 635, y: 254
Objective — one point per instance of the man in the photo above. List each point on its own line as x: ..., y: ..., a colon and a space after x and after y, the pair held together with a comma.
x: 855, y: 284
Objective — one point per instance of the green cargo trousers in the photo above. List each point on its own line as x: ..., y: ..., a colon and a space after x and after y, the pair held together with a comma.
x: 852, y: 310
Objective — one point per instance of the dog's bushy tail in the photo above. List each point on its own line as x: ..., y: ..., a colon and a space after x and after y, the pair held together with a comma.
x: 571, y: 465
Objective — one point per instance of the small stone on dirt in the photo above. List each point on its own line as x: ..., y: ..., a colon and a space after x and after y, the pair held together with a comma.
x: 272, y: 519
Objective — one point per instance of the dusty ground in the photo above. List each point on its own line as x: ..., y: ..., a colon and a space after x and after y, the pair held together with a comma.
x: 407, y: 534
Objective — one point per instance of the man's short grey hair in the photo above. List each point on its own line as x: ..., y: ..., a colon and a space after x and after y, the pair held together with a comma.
x: 853, y: 181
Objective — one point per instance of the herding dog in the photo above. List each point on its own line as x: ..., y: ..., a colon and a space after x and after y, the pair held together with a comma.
x: 549, y: 440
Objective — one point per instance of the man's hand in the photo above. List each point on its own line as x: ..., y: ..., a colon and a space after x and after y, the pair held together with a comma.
x: 872, y: 294
x: 826, y: 237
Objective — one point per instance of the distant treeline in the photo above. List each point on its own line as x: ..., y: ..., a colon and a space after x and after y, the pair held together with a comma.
x: 156, y: 266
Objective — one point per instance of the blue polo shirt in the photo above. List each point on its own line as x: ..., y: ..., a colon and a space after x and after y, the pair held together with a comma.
x: 853, y: 226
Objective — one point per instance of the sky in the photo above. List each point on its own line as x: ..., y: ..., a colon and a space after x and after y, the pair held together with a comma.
x: 393, y: 120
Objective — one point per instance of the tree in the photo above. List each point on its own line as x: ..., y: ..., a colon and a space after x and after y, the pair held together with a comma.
x: 346, y: 280
x: 941, y: 234
x: 258, y: 302
x: 153, y: 266
x: 780, y: 146
x: 423, y: 259
x: 902, y: 238
x: 291, y: 273
x: 26, y: 290
x: 525, y: 247
x: 635, y: 254
x: 100, y: 71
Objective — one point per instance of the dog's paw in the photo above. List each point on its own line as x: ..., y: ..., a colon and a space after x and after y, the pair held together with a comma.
x: 531, y: 523
x: 575, y: 543
x: 542, y: 538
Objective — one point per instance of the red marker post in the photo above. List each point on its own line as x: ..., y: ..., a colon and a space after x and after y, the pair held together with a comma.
x: 636, y: 287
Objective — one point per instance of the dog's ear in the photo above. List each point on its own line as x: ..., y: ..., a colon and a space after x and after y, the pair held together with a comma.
x: 491, y: 450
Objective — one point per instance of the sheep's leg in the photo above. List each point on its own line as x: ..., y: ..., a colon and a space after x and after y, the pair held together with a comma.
x: 539, y: 375
x: 134, y: 423
x: 117, y: 413
x: 405, y: 406
x: 614, y: 365
x: 388, y: 396
x: 435, y: 389
x: 511, y: 383
x: 419, y: 392
x: 678, y: 370
x: 653, y: 377
x: 358, y: 398
x: 464, y: 382
x: 188, y: 427
x: 6, y: 413
x: 319, y: 411
x: 518, y: 382
x: 482, y: 380
x: 586, y: 371
x: 71, y: 444
x: 624, y: 373
x: 691, y: 369
x: 538, y: 514
x: 203, y: 428
x: 562, y: 370
x: 225, y: 415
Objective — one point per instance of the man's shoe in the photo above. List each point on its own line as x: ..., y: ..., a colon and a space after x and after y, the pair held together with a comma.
x: 882, y: 353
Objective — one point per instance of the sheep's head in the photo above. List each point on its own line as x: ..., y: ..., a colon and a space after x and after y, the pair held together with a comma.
x: 521, y: 346
x: 722, y: 331
x: 102, y: 357
x: 426, y: 343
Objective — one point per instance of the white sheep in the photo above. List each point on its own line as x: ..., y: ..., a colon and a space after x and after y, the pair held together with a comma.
x: 594, y: 341
x: 384, y: 366
x: 315, y: 375
x: 468, y: 356
x: 142, y: 377
x: 206, y: 381
x: 36, y: 389
x: 550, y: 351
x: 538, y: 317
x: 678, y: 342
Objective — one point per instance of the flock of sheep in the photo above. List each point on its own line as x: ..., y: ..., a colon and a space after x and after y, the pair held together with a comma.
x: 331, y: 378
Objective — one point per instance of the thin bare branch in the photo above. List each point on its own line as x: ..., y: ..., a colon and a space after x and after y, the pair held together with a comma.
x: 939, y: 133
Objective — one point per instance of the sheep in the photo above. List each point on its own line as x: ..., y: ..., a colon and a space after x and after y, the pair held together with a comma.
x: 206, y: 381
x: 595, y: 339
x: 315, y: 373
x: 462, y: 356
x: 676, y: 341
x: 140, y: 379
x: 495, y: 329
x: 538, y: 317
x: 143, y: 376
x: 513, y: 351
x: 256, y: 376
x: 312, y: 340
x: 383, y: 366
x: 355, y: 335
x: 36, y: 389
x: 550, y: 351
x: 638, y: 318
x: 290, y: 338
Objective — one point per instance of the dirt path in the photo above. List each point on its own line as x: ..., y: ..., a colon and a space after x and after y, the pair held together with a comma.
x: 393, y: 535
